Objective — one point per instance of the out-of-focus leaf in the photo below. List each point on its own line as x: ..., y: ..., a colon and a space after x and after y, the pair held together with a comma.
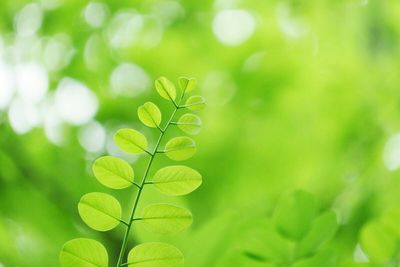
x: 323, y: 258
x: 155, y: 255
x: 180, y: 148
x: 100, y: 211
x: 113, y: 172
x: 323, y: 229
x: 83, y: 252
x: 166, y: 219
x: 294, y: 214
x: 149, y: 114
x: 177, y: 180
x: 378, y: 244
x: 130, y: 141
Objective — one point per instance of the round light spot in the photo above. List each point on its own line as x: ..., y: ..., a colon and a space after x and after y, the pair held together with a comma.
x: 32, y: 82
x: 6, y: 85
x: 124, y: 29
x: 92, y: 137
x: 233, y: 26
x: 391, y: 154
x: 129, y: 79
x: 23, y: 116
x: 75, y: 103
x: 29, y: 20
x: 95, y: 14
x: 58, y: 52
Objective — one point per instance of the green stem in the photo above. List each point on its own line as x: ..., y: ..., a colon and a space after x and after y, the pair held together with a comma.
x: 143, y: 183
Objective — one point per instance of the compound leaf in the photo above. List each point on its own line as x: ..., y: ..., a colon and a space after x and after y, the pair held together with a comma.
x: 180, y: 148
x: 294, y: 214
x: 155, y: 255
x: 100, y: 211
x: 165, y: 88
x: 130, y: 141
x: 113, y: 172
x: 149, y: 114
x: 190, y: 123
x: 166, y: 218
x: 187, y: 84
x: 177, y: 180
x: 195, y: 102
x: 83, y: 252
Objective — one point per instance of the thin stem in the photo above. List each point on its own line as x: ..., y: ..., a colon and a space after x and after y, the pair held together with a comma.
x: 135, y: 205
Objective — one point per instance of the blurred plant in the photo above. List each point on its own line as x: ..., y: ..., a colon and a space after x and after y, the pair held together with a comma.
x: 380, y: 240
x: 103, y: 212
x: 294, y: 236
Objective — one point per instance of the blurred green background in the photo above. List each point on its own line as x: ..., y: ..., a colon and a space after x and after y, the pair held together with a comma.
x: 301, y: 95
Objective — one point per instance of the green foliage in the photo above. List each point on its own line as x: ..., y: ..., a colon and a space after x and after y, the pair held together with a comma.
x: 113, y: 172
x: 83, y: 252
x: 131, y: 141
x: 155, y: 255
x: 380, y: 239
x: 166, y: 219
x: 177, y: 180
x: 180, y: 148
x: 296, y: 239
x: 103, y: 212
x: 195, y: 103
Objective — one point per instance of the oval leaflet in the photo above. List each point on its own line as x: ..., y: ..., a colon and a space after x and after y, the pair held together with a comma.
x: 83, y: 252
x: 190, y: 123
x: 155, y: 254
x: 100, y: 211
x: 113, y: 172
x: 177, y: 180
x: 130, y: 141
x: 180, y: 148
x: 149, y: 114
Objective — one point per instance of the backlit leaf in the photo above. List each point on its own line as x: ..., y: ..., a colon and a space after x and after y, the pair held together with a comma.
x: 166, y: 219
x: 113, y: 172
x: 155, y: 255
x: 190, y: 123
x: 83, y: 252
x: 130, y: 141
x: 187, y: 84
x: 294, y: 214
x: 100, y: 211
x: 177, y: 180
x: 149, y: 114
x: 195, y: 102
x: 165, y: 88
x: 180, y: 148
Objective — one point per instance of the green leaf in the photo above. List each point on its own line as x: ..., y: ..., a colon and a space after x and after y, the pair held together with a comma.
x: 100, y: 211
x: 187, y: 84
x: 323, y: 229
x: 379, y: 245
x: 180, y: 148
x: 83, y: 252
x: 130, y: 141
x: 195, y: 102
x: 165, y: 88
x: 190, y: 123
x: 149, y: 114
x: 294, y: 214
x: 177, y: 180
x: 113, y: 172
x: 166, y: 219
x: 155, y: 255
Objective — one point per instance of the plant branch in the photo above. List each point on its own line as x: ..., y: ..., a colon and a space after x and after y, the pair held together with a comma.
x: 149, y: 164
